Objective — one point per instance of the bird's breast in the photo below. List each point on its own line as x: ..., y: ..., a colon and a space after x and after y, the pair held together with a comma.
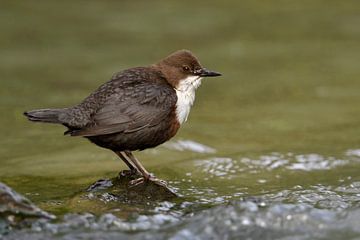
x: 185, y: 99
x: 185, y: 93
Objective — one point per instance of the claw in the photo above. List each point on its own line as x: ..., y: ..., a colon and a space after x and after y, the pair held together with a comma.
x: 143, y: 180
x: 136, y: 182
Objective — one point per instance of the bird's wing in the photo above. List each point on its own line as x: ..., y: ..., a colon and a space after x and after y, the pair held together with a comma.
x: 131, y: 108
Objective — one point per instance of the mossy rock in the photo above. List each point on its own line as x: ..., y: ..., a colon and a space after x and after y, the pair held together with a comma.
x: 117, y: 195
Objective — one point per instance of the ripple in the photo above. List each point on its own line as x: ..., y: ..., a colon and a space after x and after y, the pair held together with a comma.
x: 247, y: 220
x: 327, y: 197
x: 216, y: 167
x: 237, y: 220
x: 87, y: 222
x: 229, y: 168
x: 301, y: 212
x: 303, y: 162
x: 269, y: 162
x: 317, y: 212
x: 308, y: 162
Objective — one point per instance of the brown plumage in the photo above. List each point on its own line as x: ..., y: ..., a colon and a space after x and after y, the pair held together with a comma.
x: 135, y: 110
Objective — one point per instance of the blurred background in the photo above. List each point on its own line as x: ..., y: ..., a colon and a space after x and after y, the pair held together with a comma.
x: 290, y: 85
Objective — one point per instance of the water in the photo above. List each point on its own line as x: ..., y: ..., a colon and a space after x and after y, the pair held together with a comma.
x: 270, y: 150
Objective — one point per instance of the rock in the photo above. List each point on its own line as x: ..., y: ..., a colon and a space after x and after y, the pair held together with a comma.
x: 16, y: 210
x: 146, y: 190
x: 117, y: 194
x: 14, y: 204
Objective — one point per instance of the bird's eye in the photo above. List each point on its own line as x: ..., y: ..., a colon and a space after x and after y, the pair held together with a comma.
x: 186, y: 68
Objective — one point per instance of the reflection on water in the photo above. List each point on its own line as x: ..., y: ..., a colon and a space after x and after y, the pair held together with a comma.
x: 182, y: 145
x: 353, y: 152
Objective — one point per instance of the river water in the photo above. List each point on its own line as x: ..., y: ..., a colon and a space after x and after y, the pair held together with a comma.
x: 271, y: 150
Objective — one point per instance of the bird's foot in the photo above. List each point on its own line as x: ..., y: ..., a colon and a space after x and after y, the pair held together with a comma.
x: 144, y: 180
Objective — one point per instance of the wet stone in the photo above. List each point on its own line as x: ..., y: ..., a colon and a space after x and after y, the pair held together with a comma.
x: 16, y: 211
x: 109, y: 194
x: 147, y: 189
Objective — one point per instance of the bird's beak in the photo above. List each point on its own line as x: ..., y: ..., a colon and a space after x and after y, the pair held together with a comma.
x: 207, y: 73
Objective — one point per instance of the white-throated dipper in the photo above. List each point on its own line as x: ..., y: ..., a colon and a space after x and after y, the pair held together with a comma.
x: 138, y: 108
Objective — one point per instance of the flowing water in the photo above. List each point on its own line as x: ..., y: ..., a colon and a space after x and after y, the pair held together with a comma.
x: 271, y: 150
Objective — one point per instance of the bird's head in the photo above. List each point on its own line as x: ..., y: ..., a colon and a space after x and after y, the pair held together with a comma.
x: 183, y: 70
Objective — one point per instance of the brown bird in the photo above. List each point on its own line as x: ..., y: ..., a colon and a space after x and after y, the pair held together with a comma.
x: 138, y: 108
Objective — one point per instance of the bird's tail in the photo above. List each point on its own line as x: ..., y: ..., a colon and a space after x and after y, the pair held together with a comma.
x: 44, y: 115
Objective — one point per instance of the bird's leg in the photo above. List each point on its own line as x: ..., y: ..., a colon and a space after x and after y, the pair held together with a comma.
x: 138, y: 165
x: 125, y: 158
x: 146, y: 175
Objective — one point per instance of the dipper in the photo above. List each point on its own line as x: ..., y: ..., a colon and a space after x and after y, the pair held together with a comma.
x: 138, y: 108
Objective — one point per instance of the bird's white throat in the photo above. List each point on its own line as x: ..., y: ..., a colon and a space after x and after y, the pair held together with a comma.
x: 185, y: 92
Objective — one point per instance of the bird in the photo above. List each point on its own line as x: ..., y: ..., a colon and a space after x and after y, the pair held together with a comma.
x: 137, y: 109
